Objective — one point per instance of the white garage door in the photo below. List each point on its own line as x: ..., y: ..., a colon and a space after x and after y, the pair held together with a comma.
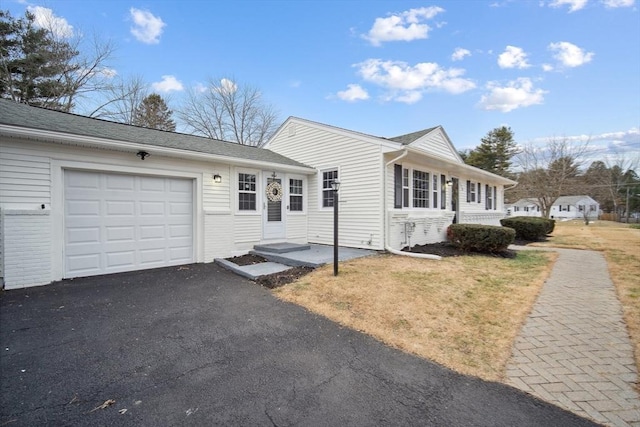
x: 116, y: 222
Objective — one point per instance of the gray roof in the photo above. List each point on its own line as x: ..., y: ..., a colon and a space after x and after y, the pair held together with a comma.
x: 411, y: 137
x: 21, y: 115
x: 571, y: 200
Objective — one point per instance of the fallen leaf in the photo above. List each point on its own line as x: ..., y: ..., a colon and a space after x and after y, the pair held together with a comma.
x: 105, y: 405
x: 122, y: 411
x: 75, y: 399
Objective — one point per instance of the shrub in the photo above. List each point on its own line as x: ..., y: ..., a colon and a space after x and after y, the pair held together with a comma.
x: 480, y: 238
x: 529, y: 228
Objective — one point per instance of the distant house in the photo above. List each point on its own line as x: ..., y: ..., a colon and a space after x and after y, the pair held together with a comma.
x: 81, y: 196
x: 566, y: 207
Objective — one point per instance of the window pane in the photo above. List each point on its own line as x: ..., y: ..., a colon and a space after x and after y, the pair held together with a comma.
x: 327, y: 193
x: 420, y: 189
x: 295, y: 195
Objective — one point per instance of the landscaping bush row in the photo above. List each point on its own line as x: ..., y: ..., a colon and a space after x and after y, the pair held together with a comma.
x: 529, y: 228
x: 480, y: 238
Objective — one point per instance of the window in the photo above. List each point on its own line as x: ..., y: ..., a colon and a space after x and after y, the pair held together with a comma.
x: 592, y: 208
x: 247, y: 192
x: 327, y: 192
x: 405, y: 187
x: 580, y: 208
x: 471, y: 191
x: 295, y: 195
x: 420, y: 189
x: 443, y: 192
x: 479, y: 196
x: 495, y: 198
x: 435, y: 191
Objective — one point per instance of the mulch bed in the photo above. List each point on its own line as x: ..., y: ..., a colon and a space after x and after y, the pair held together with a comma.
x: 445, y: 249
x: 274, y: 280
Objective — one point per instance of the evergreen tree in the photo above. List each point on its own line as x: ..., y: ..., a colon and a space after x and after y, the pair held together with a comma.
x: 153, y: 113
x: 494, y: 152
x: 32, y: 63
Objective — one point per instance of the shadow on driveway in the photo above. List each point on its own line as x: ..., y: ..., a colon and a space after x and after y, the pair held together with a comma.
x: 198, y: 345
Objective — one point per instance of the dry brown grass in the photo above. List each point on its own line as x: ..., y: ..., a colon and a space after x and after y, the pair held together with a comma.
x: 621, y: 247
x: 461, y: 312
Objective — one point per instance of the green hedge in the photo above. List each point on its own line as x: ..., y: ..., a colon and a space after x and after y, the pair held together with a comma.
x: 480, y: 238
x: 529, y: 228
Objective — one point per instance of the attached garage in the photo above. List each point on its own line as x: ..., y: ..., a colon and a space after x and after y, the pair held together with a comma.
x: 116, y: 222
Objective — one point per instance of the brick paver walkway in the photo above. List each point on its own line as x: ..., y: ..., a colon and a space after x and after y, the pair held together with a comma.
x: 574, y: 349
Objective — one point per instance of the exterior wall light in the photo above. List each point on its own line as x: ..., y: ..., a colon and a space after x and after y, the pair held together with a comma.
x: 142, y: 154
x: 217, y: 178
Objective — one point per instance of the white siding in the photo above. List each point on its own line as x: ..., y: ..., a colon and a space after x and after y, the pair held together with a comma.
x: 360, y: 166
x: 297, y: 228
x: 27, y: 248
x: 436, y: 143
x: 25, y: 177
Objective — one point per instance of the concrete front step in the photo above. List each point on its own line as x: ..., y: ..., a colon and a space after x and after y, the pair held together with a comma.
x: 281, y: 248
x: 253, y: 271
x: 287, y: 259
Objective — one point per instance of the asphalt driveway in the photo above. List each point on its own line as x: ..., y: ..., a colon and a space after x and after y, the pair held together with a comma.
x: 197, y: 345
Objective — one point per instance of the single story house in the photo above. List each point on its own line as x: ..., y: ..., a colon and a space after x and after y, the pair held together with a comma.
x: 82, y: 196
x: 565, y: 207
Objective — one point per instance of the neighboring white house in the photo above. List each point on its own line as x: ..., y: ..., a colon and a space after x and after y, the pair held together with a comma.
x: 81, y: 196
x: 565, y: 207
x: 394, y: 192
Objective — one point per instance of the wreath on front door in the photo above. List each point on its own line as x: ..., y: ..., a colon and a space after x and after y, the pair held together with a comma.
x: 274, y: 191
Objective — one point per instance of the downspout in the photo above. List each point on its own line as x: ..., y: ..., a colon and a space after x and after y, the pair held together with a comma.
x: 386, y: 229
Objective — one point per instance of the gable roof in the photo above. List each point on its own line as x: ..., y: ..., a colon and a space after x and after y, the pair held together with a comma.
x: 411, y: 137
x: 571, y: 200
x: 410, y: 143
x: 29, y: 117
x: 562, y: 200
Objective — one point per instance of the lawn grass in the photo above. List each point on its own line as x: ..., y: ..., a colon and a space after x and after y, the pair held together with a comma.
x: 620, y: 244
x: 462, y: 312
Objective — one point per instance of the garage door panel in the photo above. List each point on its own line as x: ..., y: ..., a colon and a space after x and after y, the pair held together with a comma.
x: 152, y: 232
x: 152, y: 208
x: 120, y: 234
x: 121, y: 183
x: 120, y: 259
x: 82, y: 207
x: 84, y: 264
x: 83, y: 235
x: 118, y: 207
x: 119, y: 223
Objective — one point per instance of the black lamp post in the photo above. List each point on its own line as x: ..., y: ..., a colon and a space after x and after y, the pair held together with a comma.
x: 335, y: 186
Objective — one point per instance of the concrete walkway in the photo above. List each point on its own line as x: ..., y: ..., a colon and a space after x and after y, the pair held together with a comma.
x: 574, y: 349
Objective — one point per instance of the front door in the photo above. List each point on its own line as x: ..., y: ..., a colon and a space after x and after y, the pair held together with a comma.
x: 273, y: 212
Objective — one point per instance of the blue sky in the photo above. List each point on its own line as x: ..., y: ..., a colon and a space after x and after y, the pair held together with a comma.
x: 546, y: 68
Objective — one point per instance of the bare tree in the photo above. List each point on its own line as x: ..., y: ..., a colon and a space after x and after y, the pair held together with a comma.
x: 550, y: 171
x: 224, y: 110
x: 120, y: 100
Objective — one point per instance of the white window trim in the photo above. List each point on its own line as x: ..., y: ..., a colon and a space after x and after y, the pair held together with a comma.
x: 320, y: 188
x: 305, y: 194
x: 411, y: 168
x: 236, y: 192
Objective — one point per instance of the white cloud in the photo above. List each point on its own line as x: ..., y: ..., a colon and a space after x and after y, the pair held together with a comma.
x: 459, y: 54
x: 618, y: 3
x: 167, y: 84
x: 227, y: 86
x: 547, y: 67
x: 147, y: 28
x: 353, y: 93
x: 406, y: 83
x: 513, y: 57
x: 516, y: 94
x: 404, y: 26
x: 570, y: 55
x: 574, y: 5
x: 44, y: 18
